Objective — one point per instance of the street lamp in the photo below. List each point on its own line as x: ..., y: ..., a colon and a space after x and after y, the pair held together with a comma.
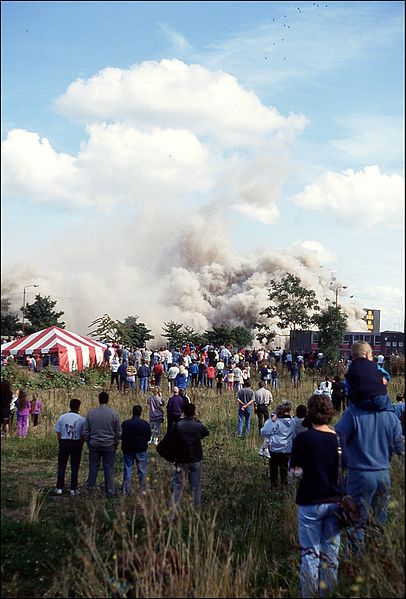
x: 337, y: 291
x: 26, y: 287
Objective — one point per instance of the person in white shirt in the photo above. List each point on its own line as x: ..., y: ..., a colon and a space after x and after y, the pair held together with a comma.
x: 220, y: 366
x: 68, y: 430
x: 380, y: 360
x: 115, y: 365
x: 326, y: 387
x: 238, y: 380
x: 172, y: 373
x: 167, y: 360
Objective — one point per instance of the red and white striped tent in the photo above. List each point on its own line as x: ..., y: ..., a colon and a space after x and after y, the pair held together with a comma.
x: 74, y: 351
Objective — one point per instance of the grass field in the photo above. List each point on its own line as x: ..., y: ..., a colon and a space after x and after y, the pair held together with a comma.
x: 242, y: 544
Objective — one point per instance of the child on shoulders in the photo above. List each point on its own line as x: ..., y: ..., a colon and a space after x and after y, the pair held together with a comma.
x: 366, y: 382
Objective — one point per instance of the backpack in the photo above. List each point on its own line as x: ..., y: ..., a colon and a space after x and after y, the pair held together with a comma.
x: 170, y: 447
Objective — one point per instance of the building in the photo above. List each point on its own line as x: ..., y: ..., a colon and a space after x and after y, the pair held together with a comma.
x: 373, y: 320
x: 392, y: 342
x: 386, y: 342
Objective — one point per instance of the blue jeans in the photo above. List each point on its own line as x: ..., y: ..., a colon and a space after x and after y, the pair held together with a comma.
x: 244, y: 417
x: 319, y: 538
x: 155, y: 428
x: 144, y: 384
x: 275, y: 383
x: 141, y: 459
x: 193, y: 471
x: 131, y: 385
x: 370, y: 489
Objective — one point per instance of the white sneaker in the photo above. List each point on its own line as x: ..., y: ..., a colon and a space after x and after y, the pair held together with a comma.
x: 155, y: 441
x: 74, y: 493
x: 261, y: 452
x: 266, y: 453
x: 59, y: 491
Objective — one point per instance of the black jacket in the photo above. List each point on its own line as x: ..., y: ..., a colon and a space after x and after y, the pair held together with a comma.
x: 135, y: 435
x: 190, y: 432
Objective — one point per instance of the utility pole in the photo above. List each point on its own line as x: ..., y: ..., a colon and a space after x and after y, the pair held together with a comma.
x: 26, y: 287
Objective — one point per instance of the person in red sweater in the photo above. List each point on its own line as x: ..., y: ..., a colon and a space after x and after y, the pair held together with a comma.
x: 211, y: 374
x: 158, y: 371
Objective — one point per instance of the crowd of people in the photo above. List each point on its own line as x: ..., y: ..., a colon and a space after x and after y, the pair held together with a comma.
x: 218, y: 368
x: 301, y: 447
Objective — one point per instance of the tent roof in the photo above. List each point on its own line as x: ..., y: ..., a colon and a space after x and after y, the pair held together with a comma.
x: 42, y: 341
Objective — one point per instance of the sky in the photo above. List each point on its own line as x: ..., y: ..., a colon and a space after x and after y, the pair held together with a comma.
x: 166, y: 160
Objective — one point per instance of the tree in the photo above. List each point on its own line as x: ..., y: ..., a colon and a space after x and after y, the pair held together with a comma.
x: 242, y: 337
x: 41, y: 315
x: 265, y: 334
x: 219, y: 335
x: 174, y: 333
x: 106, y: 330
x: 10, y: 326
x: 236, y: 336
x: 332, y: 324
x: 129, y: 333
x: 136, y: 331
x: 192, y: 336
x: 292, y: 303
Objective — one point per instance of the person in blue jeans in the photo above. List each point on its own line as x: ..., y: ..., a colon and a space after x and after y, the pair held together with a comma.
x: 314, y: 460
x: 246, y: 399
x: 373, y: 433
x: 136, y: 433
x: 144, y: 374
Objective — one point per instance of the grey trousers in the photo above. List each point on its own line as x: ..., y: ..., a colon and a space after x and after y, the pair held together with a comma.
x: 108, y: 455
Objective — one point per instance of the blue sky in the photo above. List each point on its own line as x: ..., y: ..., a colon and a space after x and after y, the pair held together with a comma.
x: 149, y: 145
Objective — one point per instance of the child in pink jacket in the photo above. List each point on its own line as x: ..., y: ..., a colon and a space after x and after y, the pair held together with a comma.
x: 23, y: 413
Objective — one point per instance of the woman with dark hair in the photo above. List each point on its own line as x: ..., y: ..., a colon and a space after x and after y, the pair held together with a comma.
x: 314, y: 460
x: 5, y: 403
x: 23, y: 413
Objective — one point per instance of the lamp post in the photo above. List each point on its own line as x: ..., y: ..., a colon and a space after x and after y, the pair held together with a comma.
x: 26, y: 287
x: 337, y: 291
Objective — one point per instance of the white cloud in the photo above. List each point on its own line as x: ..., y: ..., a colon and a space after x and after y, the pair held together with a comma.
x: 372, y: 139
x: 116, y: 164
x: 159, y: 131
x: 267, y: 215
x: 30, y: 165
x: 357, y: 199
x: 323, y: 255
x: 172, y: 94
x: 179, y: 43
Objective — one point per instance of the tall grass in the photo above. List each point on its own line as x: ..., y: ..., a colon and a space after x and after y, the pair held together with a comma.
x: 243, y: 543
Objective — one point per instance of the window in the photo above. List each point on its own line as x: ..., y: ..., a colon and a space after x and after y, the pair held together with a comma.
x: 346, y: 339
x: 400, y: 343
x: 315, y: 338
x: 387, y: 344
x: 357, y: 337
x: 377, y: 340
x: 367, y: 338
x: 394, y: 344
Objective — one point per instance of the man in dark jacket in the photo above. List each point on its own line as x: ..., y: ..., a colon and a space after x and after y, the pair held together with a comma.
x: 174, y: 408
x: 189, y: 459
x: 136, y: 433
